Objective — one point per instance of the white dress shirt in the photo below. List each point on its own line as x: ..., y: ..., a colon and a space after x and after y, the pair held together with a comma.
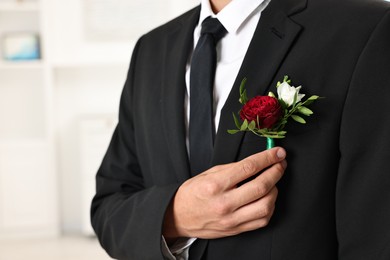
x: 240, y: 18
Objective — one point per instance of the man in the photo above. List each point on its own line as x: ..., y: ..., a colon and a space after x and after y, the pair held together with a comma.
x: 333, y: 200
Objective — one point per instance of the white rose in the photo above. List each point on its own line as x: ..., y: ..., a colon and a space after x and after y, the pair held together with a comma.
x: 287, y: 93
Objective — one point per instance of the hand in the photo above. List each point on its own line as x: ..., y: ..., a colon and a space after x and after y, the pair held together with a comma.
x: 212, y: 205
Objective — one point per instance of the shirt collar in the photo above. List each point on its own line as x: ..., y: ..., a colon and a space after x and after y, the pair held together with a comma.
x: 233, y: 15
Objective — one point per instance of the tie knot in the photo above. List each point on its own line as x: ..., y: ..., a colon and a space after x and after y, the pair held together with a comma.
x: 213, y: 27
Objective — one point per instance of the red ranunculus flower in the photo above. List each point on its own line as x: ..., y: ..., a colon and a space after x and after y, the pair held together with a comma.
x: 265, y: 110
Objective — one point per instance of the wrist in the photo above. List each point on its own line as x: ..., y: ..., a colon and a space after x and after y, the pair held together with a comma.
x: 170, y: 230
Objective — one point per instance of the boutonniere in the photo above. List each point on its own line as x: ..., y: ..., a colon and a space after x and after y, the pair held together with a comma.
x: 267, y: 116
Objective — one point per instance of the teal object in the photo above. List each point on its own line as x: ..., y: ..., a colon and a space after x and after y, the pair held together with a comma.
x: 270, y: 143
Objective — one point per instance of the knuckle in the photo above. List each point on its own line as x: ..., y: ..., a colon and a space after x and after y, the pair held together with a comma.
x: 260, y: 191
x: 269, y: 158
x: 279, y: 168
x: 266, y: 211
x: 249, y: 166
x: 222, y: 208
x: 275, y: 192
x: 211, y: 188
x: 263, y: 188
x: 264, y: 222
x: 228, y: 223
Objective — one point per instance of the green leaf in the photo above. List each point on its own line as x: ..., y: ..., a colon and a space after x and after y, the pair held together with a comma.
x: 243, y: 95
x: 244, y: 125
x: 305, y: 111
x: 298, y: 119
x: 232, y: 132
x: 242, y: 85
x: 243, y: 98
x: 282, y: 133
x: 314, y: 97
x: 236, y: 121
x: 252, y: 125
x: 311, y: 100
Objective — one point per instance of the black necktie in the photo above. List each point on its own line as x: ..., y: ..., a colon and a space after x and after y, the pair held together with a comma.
x: 203, y: 64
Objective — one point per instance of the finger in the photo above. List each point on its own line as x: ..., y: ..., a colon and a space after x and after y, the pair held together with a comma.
x: 220, y: 167
x: 258, y: 187
x: 257, y: 209
x: 254, y: 215
x: 256, y: 223
x: 252, y: 165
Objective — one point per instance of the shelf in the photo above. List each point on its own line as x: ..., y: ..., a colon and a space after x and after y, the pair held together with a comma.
x: 12, y: 65
x: 31, y: 6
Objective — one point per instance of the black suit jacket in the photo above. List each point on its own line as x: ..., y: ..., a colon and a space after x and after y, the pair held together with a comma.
x: 334, y: 200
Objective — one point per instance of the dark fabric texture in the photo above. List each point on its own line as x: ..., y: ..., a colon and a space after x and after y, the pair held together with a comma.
x: 334, y: 199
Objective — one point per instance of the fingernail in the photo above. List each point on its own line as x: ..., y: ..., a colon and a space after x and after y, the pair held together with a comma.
x: 284, y: 164
x: 281, y: 154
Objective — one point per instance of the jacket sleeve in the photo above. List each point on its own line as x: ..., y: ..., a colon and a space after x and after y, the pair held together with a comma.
x: 126, y: 215
x: 363, y: 184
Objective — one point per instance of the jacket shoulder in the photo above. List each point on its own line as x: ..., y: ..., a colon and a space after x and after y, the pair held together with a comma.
x: 191, y: 16
x: 348, y: 16
x: 374, y: 8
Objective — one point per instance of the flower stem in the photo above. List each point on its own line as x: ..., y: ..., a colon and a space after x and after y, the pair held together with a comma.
x: 270, y: 143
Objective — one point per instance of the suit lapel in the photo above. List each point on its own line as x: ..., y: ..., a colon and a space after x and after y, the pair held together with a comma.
x: 271, y: 42
x: 178, y: 45
x: 273, y: 37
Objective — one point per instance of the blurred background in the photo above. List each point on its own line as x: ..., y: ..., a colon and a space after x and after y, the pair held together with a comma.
x: 63, y: 64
